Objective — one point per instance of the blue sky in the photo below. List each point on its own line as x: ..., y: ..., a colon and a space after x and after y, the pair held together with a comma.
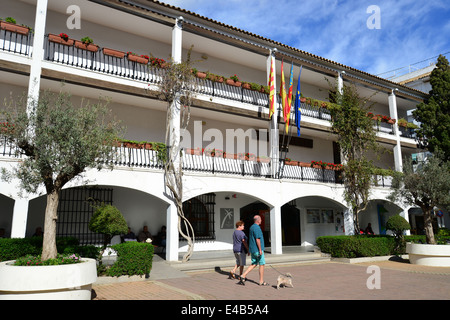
x: 409, y: 30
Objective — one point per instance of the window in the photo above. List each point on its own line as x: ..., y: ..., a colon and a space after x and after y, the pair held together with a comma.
x: 200, y: 213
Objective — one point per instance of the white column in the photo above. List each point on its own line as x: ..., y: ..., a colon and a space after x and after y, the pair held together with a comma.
x: 172, y: 241
x: 393, y: 114
x: 275, y: 230
x: 19, y: 219
x: 37, y: 55
x: 340, y: 82
x: 273, y: 122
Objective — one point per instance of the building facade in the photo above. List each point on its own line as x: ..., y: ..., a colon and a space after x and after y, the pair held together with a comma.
x: 298, y: 202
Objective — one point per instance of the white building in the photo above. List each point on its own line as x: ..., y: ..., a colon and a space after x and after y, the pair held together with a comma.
x: 297, y: 207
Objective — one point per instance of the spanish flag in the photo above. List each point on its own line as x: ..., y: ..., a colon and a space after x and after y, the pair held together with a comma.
x: 272, y: 88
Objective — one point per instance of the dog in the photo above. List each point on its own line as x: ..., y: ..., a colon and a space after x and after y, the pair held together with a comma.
x: 284, y: 280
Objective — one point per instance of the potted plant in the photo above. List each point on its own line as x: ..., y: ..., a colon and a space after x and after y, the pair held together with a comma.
x: 402, y: 122
x: 143, y: 59
x: 234, y: 81
x: 62, y: 38
x: 156, y: 62
x: 263, y: 159
x: 246, y: 85
x: 86, y: 43
x: 10, y: 25
x: 113, y: 53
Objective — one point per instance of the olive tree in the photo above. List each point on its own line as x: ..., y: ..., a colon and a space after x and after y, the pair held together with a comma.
x: 59, y: 142
x: 426, y: 187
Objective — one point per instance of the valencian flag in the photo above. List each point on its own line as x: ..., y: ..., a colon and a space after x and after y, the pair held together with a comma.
x: 283, y: 93
x: 271, y: 88
x: 298, y: 112
x: 289, y: 98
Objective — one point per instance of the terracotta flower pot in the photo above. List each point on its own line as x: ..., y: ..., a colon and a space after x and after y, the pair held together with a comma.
x: 137, y: 59
x: 83, y: 46
x: 14, y: 28
x: 58, y: 39
x: 113, y: 53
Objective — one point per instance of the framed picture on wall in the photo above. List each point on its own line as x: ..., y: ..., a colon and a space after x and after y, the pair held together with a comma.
x: 313, y: 215
x: 327, y: 215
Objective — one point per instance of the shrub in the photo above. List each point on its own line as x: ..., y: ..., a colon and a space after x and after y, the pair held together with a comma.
x: 108, y: 220
x: 356, y: 246
x: 133, y: 258
x: 397, y: 224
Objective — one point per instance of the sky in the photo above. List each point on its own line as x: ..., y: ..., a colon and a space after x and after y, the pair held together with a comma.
x: 375, y: 36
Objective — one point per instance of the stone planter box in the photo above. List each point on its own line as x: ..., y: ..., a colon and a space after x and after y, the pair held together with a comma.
x: 62, y: 282
x: 429, y: 254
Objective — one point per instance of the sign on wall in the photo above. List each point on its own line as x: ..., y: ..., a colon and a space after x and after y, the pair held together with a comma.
x: 226, y: 218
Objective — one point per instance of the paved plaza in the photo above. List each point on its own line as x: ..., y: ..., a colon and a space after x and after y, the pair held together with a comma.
x: 325, y: 279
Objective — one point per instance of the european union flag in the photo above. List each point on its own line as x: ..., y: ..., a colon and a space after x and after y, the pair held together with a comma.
x: 298, y: 112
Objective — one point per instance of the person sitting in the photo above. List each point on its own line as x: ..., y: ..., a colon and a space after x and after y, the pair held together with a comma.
x: 144, y: 235
x: 369, y: 230
x: 130, y: 236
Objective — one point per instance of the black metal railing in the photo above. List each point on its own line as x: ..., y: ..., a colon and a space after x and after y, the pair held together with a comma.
x: 15, y: 42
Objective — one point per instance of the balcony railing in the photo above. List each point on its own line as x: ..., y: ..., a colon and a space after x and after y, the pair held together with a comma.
x: 143, y: 158
x: 16, y: 43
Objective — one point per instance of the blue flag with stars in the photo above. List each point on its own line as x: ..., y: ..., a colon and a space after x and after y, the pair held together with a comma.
x: 298, y: 112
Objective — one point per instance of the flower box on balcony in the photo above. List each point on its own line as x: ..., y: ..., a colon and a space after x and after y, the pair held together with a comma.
x: 113, y: 53
x: 61, y: 40
x: 14, y: 28
x: 86, y: 46
x: 291, y: 163
x: 263, y: 159
x: 138, y: 59
x: 231, y: 82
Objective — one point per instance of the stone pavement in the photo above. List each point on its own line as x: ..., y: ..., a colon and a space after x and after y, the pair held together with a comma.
x: 313, y: 279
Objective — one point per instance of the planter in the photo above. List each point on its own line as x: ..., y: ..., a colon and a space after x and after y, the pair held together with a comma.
x: 263, y: 160
x: 83, y: 46
x: 246, y: 86
x: 304, y: 164
x: 113, y: 53
x: 57, y: 39
x: 231, y: 82
x: 137, y: 59
x: 63, y: 282
x: 201, y: 75
x: 14, y: 28
x: 429, y: 254
x: 291, y: 163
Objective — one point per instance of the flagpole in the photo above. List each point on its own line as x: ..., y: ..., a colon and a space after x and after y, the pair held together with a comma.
x: 273, y: 114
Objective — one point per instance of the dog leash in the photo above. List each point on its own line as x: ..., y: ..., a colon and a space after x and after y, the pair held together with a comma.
x: 278, y: 271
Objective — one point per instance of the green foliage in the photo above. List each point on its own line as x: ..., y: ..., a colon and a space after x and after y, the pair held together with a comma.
x: 107, y: 219
x: 356, y: 136
x: 434, y: 113
x: 60, y: 140
x: 133, y: 258
x: 12, y: 249
x: 426, y: 187
x: 87, y: 40
x: 357, y: 246
x: 397, y: 224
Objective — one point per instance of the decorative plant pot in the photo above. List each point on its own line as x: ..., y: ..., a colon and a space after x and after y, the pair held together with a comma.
x: 61, y: 282
x: 57, y: 39
x: 201, y: 75
x: 231, y: 82
x: 113, y: 53
x: 263, y: 160
x: 83, y: 46
x: 246, y: 86
x: 291, y: 163
x: 304, y: 164
x: 137, y: 59
x: 429, y: 254
x: 14, y: 28
x: 148, y: 146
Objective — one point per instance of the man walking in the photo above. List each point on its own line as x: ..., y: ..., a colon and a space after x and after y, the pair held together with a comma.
x: 256, y: 246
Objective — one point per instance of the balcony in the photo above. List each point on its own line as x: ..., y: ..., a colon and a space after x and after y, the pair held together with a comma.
x: 204, y: 163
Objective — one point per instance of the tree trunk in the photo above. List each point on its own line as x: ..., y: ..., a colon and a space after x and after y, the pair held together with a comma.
x: 49, y: 250
x: 428, y: 225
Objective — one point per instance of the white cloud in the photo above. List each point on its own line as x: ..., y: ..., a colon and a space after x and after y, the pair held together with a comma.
x: 411, y: 30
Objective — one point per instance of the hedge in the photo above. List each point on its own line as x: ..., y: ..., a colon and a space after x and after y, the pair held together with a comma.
x: 133, y: 258
x: 11, y: 249
x: 357, y: 246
